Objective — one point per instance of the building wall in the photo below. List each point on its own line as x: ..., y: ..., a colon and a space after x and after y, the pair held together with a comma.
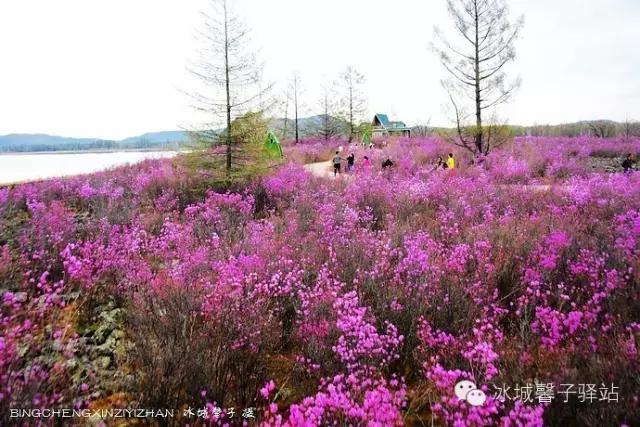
x: 378, y: 132
x: 400, y: 133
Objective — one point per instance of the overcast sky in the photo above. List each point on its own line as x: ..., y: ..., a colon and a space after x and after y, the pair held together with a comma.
x: 117, y: 68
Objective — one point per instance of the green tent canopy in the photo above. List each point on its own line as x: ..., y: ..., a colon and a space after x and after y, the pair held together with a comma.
x: 272, y: 145
x: 366, y: 138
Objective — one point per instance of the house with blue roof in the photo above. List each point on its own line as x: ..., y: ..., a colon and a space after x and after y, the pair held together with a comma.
x: 383, y: 127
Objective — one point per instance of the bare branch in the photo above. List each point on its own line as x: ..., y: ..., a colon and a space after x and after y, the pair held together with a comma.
x: 487, y: 39
x: 229, y: 72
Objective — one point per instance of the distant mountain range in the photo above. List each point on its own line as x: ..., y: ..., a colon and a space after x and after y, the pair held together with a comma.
x: 308, y: 126
x: 41, y: 142
x: 149, y: 141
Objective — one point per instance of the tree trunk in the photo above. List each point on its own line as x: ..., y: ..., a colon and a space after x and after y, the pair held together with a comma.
x: 326, y: 128
x: 350, y: 112
x: 295, y: 96
x: 327, y: 123
x: 286, y: 114
x: 479, y: 132
x: 227, y: 85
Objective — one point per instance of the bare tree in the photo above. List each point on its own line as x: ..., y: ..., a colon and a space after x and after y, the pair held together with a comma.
x: 630, y: 129
x: 230, y: 73
x: 294, y: 90
x: 286, y: 116
x: 476, y: 64
x: 295, y: 106
x: 352, y: 101
x: 328, y: 126
x: 602, y: 128
x: 496, y: 133
x: 292, y: 95
x: 422, y: 130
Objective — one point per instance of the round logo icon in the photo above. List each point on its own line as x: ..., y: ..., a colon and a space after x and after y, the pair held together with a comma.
x: 476, y: 397
x: 462, y: 388
x: 467, y: 390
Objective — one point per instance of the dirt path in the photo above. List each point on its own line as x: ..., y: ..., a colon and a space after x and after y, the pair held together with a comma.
x: 325, y: 170
x: 536, y: 188
x: 320, y: 169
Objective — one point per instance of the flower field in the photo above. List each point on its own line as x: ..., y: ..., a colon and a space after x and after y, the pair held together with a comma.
x: 315, y: 301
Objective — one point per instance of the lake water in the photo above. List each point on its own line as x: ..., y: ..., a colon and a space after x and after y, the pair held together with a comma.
x: 29, y: 167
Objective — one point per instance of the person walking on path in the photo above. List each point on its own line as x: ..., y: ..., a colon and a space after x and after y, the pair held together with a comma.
x: 337, y: 162
x: 351, y: 161
x: 451, y: 162
x: 628, y: 163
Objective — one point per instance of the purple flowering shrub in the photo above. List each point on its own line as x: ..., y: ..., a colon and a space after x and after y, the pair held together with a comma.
x: 358, y: 301
x: 310, y: 150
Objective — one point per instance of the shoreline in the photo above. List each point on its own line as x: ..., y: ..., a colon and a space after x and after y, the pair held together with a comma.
x: 27, y: 157
x: 125, y: 150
